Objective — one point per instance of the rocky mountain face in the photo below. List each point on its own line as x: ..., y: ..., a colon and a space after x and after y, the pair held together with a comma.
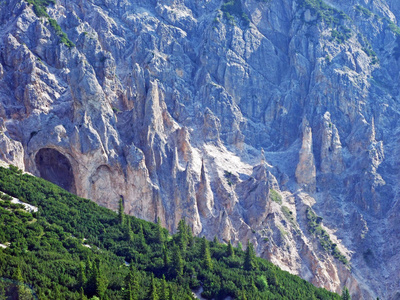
x: 263, y: 120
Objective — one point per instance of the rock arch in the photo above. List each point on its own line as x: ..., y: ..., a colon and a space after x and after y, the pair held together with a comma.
x: 56, y: 168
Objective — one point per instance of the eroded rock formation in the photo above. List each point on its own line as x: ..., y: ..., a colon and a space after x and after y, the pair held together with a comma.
x: 168, y: 105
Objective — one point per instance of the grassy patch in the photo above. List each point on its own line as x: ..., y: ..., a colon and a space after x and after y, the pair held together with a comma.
x: 61, y: 34
x: 393, y: 27
x: 39, y: 7
x: 232, y: 8
x: 290, y: 217
x: 371, y: 53
x: 332, y: 17
x: 275, y: 196
x: 282, y: 231
x: 340, y: 35
x: 314, y: 226
x: 364, y: 11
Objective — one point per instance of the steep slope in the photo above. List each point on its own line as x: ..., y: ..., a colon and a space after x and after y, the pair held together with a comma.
x: 209, y: 110
x: 70, y: 248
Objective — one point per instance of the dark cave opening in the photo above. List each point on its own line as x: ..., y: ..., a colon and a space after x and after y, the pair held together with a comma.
x: 56, y: 168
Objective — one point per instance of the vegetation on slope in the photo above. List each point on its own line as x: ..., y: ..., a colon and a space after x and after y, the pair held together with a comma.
x: 233, y: 8
x: 331, y: 16
x: 314, y: 225
x: 74, y: 249
x: 39, y: 7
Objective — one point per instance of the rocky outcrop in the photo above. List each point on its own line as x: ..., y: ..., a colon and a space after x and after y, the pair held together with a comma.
x: 11, y: 151
x: 305, y: 171
x: 168, y: 105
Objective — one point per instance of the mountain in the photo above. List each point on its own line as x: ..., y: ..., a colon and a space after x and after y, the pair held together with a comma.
x: 66, y: 247
x: 274, y: 121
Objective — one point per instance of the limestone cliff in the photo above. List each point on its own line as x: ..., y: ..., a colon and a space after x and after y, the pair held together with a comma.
x: 169, y: 105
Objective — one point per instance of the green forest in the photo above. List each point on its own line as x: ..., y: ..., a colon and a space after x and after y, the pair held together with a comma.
x: 71, y: 248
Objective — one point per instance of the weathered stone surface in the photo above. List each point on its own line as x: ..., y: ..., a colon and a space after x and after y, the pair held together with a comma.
x: 305, y: 171
x: 167, y: 105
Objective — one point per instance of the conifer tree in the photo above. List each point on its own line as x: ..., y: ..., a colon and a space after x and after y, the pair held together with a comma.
x: 17, y: 276
x: 132, y: 282
x: 121, y: 212
x: 177, y: 263
x: 128, y: 230
x: 88, y: 267
x: 215, y: 241
x: 96, y: 284
x: 129, y: 293
x: 164, y: 289
x: 56, y: 294
x: 205, y: 252
x: 190, y: 236
x: 243, y: 295
x: 82, y: 294
x: 165, y: 256
x: 2, y: 291
x: 230, y: 251
x: 23, y: 292
x: 159, y: 232
x: 98, y: 279
x: 81, y: 275
x: 240, y: 246
x: 346, y: 294
x: 153, y: 289
x: 171, y: 294
x: 250, y: 263
x: 182, y: 235
x: 141, y: 241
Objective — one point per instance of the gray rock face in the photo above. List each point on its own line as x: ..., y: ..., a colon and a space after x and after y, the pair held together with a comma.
x: 168, y: 105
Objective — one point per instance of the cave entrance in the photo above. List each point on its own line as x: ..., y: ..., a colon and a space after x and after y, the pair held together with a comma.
x: 56, y: 168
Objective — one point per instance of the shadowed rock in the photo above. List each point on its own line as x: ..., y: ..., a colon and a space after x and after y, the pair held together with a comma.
x: 55, y: 167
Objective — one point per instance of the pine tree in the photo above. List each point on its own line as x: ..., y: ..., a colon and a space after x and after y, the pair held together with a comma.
x: 346, y: 294
x: 165, y: 256
x: 250, y: 263
x: 88, y: 267
x: 215, y: 241
x: 177, y: 263
x: 132, y: 283
x: 96, y: 284
x: 121, y: 212
x: 82, y: 294
x: 243, y: 295
x: 140, y: 240
x: 98, y: 279
x: 164, y: 289
x: 171, y: 294
x: 205, y: 253
x: 240, y: 246
x: 159, y: 232
x: 153, y: 289
x: 128, y: 230
x: 230, y: 251
x: 56, y: 292
x: 182, y: 235
x: 190, y: 236
x: 17, y: 276
x: 128, y: 293
x: 23, y: 292
x: 2, y: 291
x: 81, y: 275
